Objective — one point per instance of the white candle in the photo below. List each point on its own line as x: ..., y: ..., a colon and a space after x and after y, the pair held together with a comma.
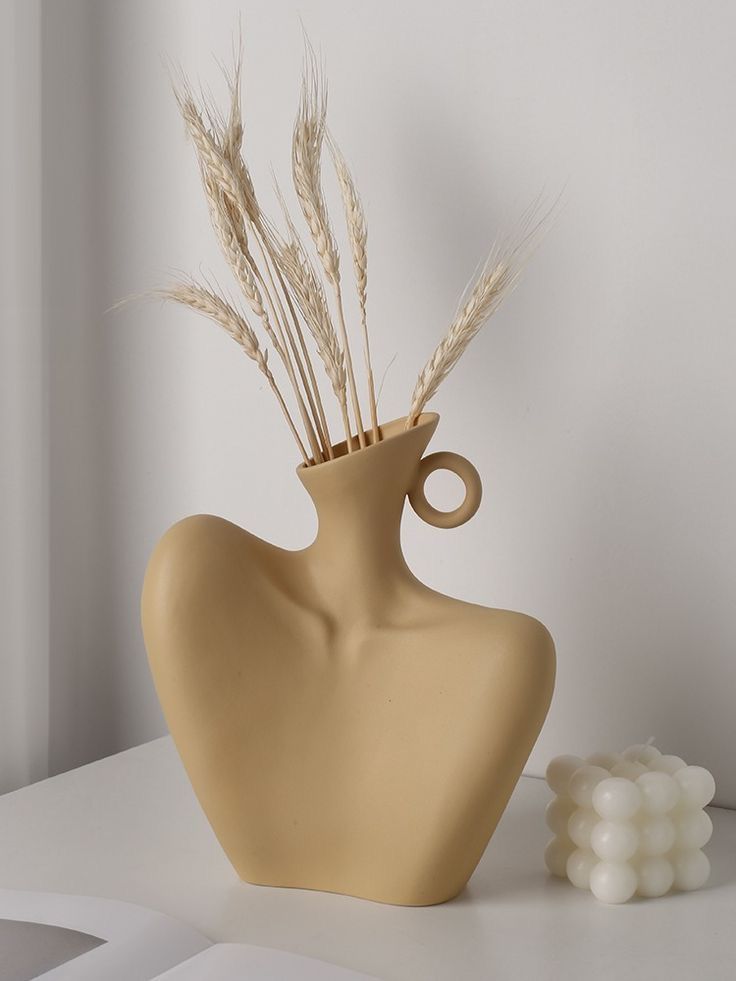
x: 630, y: 822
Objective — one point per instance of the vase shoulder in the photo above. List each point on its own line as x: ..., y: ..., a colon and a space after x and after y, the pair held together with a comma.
x: 204, y: 560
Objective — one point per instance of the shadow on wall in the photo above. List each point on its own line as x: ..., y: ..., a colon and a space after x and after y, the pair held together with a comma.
x: 447, y: 192
x: 82, y: 697
x: 643, y: 606
x: 636, y: 556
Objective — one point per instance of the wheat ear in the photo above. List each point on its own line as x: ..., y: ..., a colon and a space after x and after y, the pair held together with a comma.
x: 496, y: 281
x: 208, y: 303
x: 306, y: 166
x: 358, y: 235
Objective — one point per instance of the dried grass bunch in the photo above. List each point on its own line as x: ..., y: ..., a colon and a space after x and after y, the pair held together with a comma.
x: 294, y: 293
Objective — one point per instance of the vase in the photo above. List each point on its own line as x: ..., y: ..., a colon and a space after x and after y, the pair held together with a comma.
x: 344, y: 727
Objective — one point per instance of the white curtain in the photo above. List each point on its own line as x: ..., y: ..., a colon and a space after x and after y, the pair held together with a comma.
x: 24, y: 505
x: 59, y: 694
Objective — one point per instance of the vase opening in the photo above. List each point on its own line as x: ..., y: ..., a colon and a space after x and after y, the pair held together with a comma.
x: 395, y: 429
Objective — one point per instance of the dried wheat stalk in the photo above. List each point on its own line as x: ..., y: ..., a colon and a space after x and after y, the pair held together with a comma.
x: 496, y: 281
x: 207, y: 302
x: 229, y: 205
x: 358, y: 235
x: 306, y: 166
x: 231, y: 139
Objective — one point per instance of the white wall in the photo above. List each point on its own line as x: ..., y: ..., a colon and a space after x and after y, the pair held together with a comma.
x: 599, y: 407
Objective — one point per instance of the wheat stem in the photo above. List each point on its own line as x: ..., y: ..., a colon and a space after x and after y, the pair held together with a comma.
x: 205, y: 301
x: 321, y: 417
x: 307, y: 376
x: 349, y: 363
x: 304, y: 282
x: 295, y: 266
x: 358, y: 235
x: 289, y: 420
x: 287, y: 341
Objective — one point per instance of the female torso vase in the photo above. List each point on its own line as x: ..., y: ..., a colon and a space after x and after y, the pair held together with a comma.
x: 344, y: 727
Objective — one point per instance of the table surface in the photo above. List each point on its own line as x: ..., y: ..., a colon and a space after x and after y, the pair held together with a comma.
x: 129, y: 827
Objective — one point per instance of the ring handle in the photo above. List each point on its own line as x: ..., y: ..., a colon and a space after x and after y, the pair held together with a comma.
x: 465, y: 471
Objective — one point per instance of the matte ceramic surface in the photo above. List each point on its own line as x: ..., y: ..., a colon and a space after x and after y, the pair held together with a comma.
x: 345, y: 728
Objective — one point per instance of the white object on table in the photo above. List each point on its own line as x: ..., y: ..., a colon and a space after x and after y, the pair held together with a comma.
x: 129, y: 828
x: 131, y: 943
x: 629, y: 823
x: 135, y: 943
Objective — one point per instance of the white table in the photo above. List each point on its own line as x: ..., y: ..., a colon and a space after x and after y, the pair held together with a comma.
x: 129, y: 828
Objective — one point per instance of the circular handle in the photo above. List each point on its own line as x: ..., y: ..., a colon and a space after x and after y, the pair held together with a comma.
x: 469, y: 476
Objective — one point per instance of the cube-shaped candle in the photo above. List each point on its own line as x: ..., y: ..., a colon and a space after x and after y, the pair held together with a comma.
x: 630, y: 822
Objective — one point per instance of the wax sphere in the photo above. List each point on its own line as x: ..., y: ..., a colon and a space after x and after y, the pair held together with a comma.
x: 579, y: 866
x: 581, y: 824
x: 612, y: 882
x: 667, y: 764
x: 655, y: 876
x: 628, y: 770
x: 584, y: 781
x: 694, y: 829
x: 692, y: 869
x: 641, y: 753
x: 656, y: 836
x: 614, y: 841
x: 606, y: 760
x: 697, y: 786
x: 660, y: 792
x: 558, y: 814
x: 560, y: 770
x: 617, y: 799
x: 556, y: 854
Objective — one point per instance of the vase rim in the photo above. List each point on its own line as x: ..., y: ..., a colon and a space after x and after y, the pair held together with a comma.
x: 391, y: 431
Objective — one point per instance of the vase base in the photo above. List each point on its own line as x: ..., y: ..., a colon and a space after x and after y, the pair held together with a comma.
x: 386, y: 898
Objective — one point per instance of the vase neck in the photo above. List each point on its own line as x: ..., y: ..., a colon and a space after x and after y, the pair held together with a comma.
x: 361, y: 525
x: 356, y: 560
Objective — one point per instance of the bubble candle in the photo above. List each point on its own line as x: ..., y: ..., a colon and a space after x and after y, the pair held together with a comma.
x: 629, y: 823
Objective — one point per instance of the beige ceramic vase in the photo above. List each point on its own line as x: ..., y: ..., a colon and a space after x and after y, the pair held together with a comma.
x: 344, y: 727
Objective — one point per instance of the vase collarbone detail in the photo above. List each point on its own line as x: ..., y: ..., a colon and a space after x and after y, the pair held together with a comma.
x: 344, y: 727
